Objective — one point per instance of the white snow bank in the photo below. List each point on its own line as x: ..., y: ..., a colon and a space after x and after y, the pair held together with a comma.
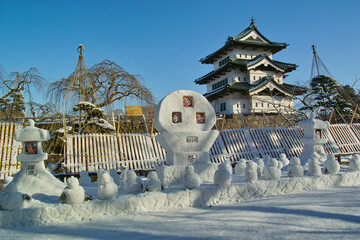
x: 207, y: 194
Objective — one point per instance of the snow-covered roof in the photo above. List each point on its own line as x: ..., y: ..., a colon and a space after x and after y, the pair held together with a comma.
x: 31, y: 133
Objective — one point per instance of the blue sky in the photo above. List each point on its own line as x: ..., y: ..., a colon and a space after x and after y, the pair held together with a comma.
x: 163, y: 40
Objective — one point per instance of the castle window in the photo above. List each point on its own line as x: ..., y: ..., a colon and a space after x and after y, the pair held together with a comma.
x: 244, y: 79
x: 224, y: 61
x: 244, y: 105
x: 256, y: 104
x: 220, y: 84
x: 222, y: 106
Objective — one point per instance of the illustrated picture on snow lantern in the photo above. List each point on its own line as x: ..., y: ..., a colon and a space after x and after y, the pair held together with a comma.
x: 318, y: 134
x: 31, y: 147
x: 200, y: 117
x: 176, y: 117
x: 188, y: 101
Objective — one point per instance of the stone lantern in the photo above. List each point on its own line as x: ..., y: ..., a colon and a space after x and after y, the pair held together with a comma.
x: 184, y: 119
x: 313, y: 138
x: 33, y: 177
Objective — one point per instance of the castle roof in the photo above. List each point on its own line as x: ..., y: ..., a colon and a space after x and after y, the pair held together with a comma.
x: 266, y: 86
x: 261, y: 62
x: 250, y: 37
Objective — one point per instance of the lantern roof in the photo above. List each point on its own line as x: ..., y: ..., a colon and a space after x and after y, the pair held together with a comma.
x: 313, y: 122
x: 31, y: 133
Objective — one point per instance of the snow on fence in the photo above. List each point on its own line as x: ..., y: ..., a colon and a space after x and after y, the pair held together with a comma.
x: 91, y: 152
x: 9, y: 149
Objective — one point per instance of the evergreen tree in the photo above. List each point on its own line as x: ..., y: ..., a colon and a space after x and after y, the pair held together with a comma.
x: 12, y: 104
x: 94, y: 118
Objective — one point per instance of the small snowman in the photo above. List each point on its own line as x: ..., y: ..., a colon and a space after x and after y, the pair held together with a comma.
x: 295, y: 169
x: 272, y: 171
x: 222, y: 176
x: 191, y: 179
x: 285, y: 161
x: 331, y: 165
x: 132, y: 183
x: 73, y: 193
x: 314, y: 166
x: 251, y: 172
x: 355, y: 163
x: 84, y: 179
x: 123, y: 174
x: 153, y: 183
x: 260, y: 166
x: 115, y: 176
x: 107, y: 189
x: 240, y: 167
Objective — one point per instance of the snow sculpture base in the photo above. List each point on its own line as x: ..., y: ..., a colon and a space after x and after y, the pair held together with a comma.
x: 174, y: 174
x: 183, y: 148
x: 34, y: 178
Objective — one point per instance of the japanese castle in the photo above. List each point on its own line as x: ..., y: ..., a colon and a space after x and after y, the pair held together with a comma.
x: 246, y: 79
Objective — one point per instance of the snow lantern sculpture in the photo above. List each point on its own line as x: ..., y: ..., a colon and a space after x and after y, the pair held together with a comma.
x: 184, y: 119
x: 313, y: 138
x: 33, y: 176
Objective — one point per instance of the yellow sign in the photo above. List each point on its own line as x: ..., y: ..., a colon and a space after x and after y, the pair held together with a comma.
x: 133, y: 110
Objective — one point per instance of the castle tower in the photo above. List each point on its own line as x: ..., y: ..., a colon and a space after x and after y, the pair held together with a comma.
x: 246, y: 79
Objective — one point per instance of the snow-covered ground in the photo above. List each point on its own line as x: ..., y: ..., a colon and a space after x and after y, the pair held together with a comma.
x: 325, y: 214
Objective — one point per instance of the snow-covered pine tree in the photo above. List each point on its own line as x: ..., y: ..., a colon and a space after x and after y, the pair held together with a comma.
x: 94, y: 118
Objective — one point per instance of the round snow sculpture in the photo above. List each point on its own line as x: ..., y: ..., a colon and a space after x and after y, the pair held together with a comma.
x: 107, y: 189
x: 132, y: 184
x: 285, y: 161
x: 191, y: 179
x: 73, y: 193
x: 222, y: 176
x: 295, y: 168
x: 272, y: 171
x: 355, y: 163
x: 314, y: 166
x: 251, y: 172
x: 153, y: 183
x: 331, y: 165
x: 240, y: 167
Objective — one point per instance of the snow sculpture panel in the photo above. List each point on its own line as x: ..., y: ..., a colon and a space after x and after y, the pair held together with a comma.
x: 184, y: 110
x: 184, y: 119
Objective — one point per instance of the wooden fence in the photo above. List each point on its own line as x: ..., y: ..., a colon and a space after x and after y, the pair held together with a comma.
x: 9, y: 149
x: 94, y: 151
x: 141, y: 152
